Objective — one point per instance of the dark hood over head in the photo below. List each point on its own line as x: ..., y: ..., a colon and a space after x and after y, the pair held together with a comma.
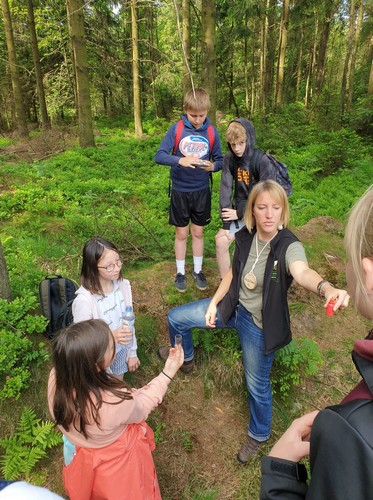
x: 250, y: 140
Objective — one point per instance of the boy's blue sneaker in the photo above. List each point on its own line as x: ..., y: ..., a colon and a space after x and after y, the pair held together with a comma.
x: 180, y: 282
x: 200, y: 280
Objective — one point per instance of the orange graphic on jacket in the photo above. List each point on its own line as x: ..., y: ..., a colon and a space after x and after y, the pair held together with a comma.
x: 243, y: 175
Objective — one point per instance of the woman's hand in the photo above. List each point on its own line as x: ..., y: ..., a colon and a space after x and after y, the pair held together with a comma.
x: 224, y: 233
x: 294, y: 444
x: 174, y: 361
x: 210, y: 315
x: 341, y: 297
x: 228, y: 214
x: 133, y: 364
x: 123, y: 335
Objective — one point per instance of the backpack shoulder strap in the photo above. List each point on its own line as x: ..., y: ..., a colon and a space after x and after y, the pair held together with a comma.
x: 62, y: 290
x: 211, y: 136
x: 45, y: 297
x: 178, y: 133
x: 255, y: 162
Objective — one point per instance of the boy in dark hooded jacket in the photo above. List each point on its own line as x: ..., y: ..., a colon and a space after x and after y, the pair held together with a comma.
x: 236, y: 184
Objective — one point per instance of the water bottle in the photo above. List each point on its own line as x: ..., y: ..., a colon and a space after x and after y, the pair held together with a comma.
x: 128, y: 320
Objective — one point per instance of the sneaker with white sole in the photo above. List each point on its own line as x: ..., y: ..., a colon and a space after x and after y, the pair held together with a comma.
x: 249, y: 450
x: 180, y: 282
x: 200, y: 280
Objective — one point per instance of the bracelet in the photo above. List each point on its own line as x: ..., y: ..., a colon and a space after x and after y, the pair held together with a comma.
x: 165, y: 374
x: 321, y: 285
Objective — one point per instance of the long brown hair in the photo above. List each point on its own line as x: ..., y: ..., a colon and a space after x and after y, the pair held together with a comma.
x: 92, y: 252
x: 78, y: 359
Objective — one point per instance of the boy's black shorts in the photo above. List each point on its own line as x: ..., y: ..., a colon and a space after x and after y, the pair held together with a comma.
x: 195, y: 207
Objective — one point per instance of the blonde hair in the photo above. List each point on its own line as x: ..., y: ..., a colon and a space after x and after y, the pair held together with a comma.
x: 358, y: 239
x: 276, y: 192
x: 235, y: 133
x: 199, y: 100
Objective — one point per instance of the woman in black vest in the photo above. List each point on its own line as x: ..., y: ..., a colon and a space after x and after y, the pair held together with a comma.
x: 252, y: 298
x: 339, y: 438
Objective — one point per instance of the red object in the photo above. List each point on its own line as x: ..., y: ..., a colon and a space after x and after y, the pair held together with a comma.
x: 329, y: 307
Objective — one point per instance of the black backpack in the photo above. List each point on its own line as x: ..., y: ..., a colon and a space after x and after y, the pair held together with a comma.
x: 282, y: 174
x: 56, y: 295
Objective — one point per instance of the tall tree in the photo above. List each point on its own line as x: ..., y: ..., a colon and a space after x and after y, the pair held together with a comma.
x: 370, y: 83
x: 263, y: 56
x: 355, y: 44
x: 209, y: 53
x: 38, y: 71
x: 311, y: 64
x: 281, y: 53
x: 325, y: 24
x: 186, y: 45
x: 75, y: 17
x: 14, y: 72
x: 136, y: 70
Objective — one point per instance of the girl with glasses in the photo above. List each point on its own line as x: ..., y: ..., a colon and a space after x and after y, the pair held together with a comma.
x: 105, y: 294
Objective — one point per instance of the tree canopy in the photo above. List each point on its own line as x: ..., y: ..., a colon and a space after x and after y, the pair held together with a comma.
x: 255, y: 56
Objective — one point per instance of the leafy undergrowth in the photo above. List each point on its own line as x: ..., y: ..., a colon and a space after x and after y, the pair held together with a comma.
x: 50, y: 204
x: 203, y: 420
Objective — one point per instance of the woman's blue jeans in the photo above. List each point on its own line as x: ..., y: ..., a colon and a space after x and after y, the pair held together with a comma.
x: 257, y: 365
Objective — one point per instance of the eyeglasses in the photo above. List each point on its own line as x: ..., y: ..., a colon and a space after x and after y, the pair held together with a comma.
x: 111, y: 267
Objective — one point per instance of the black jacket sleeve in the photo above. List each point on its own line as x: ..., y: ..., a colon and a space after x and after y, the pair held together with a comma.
x: 341, y: 459
x: 282, y: 479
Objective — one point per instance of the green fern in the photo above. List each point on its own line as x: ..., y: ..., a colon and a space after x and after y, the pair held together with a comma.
x: 27, y: 446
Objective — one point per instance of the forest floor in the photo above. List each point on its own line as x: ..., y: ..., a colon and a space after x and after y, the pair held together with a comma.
x: 203, y: 419
x: 38, y: 146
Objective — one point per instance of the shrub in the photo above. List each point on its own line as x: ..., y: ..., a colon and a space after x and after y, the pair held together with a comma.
x: 27, y: 446
x: 17, y: 352
x: 299, y: 359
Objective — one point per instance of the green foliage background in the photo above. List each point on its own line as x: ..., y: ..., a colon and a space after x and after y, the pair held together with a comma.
x: 49, y: 208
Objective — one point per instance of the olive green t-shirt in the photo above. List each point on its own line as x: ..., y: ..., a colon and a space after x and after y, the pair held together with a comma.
x: 252, y: 299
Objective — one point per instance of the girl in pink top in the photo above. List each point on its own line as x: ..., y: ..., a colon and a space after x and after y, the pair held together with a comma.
x: 107, y: 444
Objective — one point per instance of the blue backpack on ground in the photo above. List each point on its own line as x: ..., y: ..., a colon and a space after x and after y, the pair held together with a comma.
x: 56, y: 295
x: 282, y: 174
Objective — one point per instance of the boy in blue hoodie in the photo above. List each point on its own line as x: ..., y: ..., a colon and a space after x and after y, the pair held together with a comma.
x: 192, y: 149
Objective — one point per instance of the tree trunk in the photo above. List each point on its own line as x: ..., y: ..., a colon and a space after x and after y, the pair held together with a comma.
x: 209, y: 53
x: 152, y: 56
x: 263, y: 57
x: 323, y: 44
x: 299, y: 66
x: 281, y: 53
x: 187, y: 84
x: 5, y: 290
x: 370, y: 83
x: 246, y: 66
x: 311, y: 65
x: 252, y: 79
x: 38, y: 71
x: 350, y: 39
x: 21, y: 120
x: 353, y: 55
x: 80, y: 61
x: 135, y: 70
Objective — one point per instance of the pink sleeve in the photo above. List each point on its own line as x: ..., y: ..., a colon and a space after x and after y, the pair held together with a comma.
x: 137, y: 409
